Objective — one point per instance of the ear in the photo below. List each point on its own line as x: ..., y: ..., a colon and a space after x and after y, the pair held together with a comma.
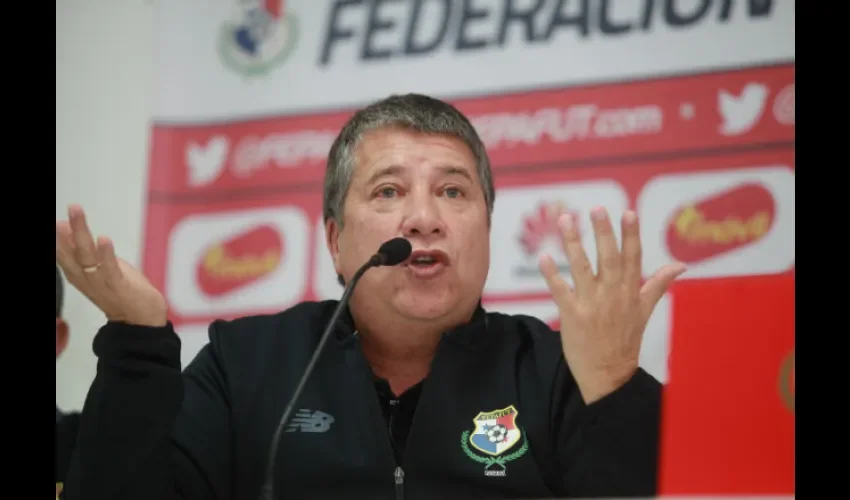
x: 332, y: 240
x: 61, y: 336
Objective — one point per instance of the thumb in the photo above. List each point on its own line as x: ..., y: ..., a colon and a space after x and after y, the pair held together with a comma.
x: 656, y: 286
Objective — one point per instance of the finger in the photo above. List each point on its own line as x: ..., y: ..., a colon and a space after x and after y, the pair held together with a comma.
x: 580, y: 268
x: 656, y: 286
x: 609, y: 259
x: 64, y: 237
x: 558, y: 287
x: 66, y: 259
x: 85, y: 250
x: 632, y: 265
x: 109, y: 269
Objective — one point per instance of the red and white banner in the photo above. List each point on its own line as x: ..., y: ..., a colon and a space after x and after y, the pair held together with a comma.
x: 681, y: 110
x: 729, y: 408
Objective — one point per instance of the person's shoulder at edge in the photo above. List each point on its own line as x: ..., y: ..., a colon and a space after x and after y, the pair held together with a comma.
x: 65, y: 414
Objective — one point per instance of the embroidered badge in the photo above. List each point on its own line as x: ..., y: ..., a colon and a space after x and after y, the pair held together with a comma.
x: 496, y: 433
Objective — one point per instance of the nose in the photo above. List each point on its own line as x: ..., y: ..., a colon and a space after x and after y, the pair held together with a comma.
x: 423, y: 217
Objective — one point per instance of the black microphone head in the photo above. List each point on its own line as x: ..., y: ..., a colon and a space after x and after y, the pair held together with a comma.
x: 394, y: 251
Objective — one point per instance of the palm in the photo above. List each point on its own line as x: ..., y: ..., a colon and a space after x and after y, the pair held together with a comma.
x: 113, y: 285
x: 603, y: 317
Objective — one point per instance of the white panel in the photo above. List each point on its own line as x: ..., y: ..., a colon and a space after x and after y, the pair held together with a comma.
x: 194, y: 46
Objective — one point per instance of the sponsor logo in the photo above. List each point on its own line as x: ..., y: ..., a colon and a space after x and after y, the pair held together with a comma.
x: 261, y: 36
x: 528, y: 228
x: 722, y: 222
x: 729, y: 220
x: 495, y: 434
x: 310, y: 421
x: 786, y: 381
x: 239, y: 261
x: 540, y: 234
x: 427, y: 28
x: 740, y: 113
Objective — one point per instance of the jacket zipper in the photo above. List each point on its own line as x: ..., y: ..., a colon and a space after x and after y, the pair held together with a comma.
x: 398, y: 475
x: 398, y: 472
x: 399, y: 483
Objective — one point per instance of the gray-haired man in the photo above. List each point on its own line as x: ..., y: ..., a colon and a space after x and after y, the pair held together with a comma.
x: 420, y: 393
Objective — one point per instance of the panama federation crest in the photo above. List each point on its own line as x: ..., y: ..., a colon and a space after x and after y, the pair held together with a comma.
x: 258, y: 38
x: 495, y: 440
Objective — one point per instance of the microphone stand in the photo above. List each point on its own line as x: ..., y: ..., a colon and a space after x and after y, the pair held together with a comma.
x: 267, y: 492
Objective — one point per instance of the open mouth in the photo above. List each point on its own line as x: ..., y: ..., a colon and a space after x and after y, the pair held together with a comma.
x: 427, y: 263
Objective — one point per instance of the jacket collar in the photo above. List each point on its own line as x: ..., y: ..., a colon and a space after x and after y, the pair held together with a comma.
x: 467, y: 334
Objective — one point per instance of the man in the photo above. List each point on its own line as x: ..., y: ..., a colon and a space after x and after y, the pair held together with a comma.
x: 420, y: 393
x: 65, y: 431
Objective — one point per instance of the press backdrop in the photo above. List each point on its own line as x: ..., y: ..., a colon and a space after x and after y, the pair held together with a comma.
x: 680, y: 109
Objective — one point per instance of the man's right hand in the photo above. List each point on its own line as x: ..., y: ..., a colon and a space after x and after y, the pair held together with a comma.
x: 114, y: 286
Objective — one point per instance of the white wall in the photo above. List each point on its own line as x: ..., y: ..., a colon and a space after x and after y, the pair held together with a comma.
x: 103, y: 96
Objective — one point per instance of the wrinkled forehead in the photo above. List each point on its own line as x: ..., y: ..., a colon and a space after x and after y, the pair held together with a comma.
x: 400, y: 151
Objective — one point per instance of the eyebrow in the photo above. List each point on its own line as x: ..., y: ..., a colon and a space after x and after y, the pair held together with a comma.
x: 398, y: 169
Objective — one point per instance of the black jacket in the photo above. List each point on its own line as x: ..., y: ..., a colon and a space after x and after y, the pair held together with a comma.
x: 64, y: 438
x: 147, y: 431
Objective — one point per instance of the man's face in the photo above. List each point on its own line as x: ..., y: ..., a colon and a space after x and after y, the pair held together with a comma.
x: 426, y: 189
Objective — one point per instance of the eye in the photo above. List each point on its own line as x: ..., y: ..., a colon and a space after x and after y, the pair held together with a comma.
x: 453, y: 192
x: 386, y: 192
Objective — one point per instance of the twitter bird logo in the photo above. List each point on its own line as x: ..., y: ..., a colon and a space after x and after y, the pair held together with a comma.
x: 206, y: 163
x: 740, y: 113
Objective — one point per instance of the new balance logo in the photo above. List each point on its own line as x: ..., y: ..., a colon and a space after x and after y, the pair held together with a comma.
x: 310, y: 421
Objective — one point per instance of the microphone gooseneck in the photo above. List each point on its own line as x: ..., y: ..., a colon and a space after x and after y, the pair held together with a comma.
x: 391, y: 253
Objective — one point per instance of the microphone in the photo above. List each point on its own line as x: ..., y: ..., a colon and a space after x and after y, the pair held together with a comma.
x: 391, y: 253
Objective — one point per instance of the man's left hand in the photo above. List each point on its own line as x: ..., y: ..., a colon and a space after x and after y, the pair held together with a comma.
x: 603, y: 316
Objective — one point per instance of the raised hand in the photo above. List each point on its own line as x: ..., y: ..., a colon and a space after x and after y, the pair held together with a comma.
x: 114, y: 286
x: 603, y: 316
